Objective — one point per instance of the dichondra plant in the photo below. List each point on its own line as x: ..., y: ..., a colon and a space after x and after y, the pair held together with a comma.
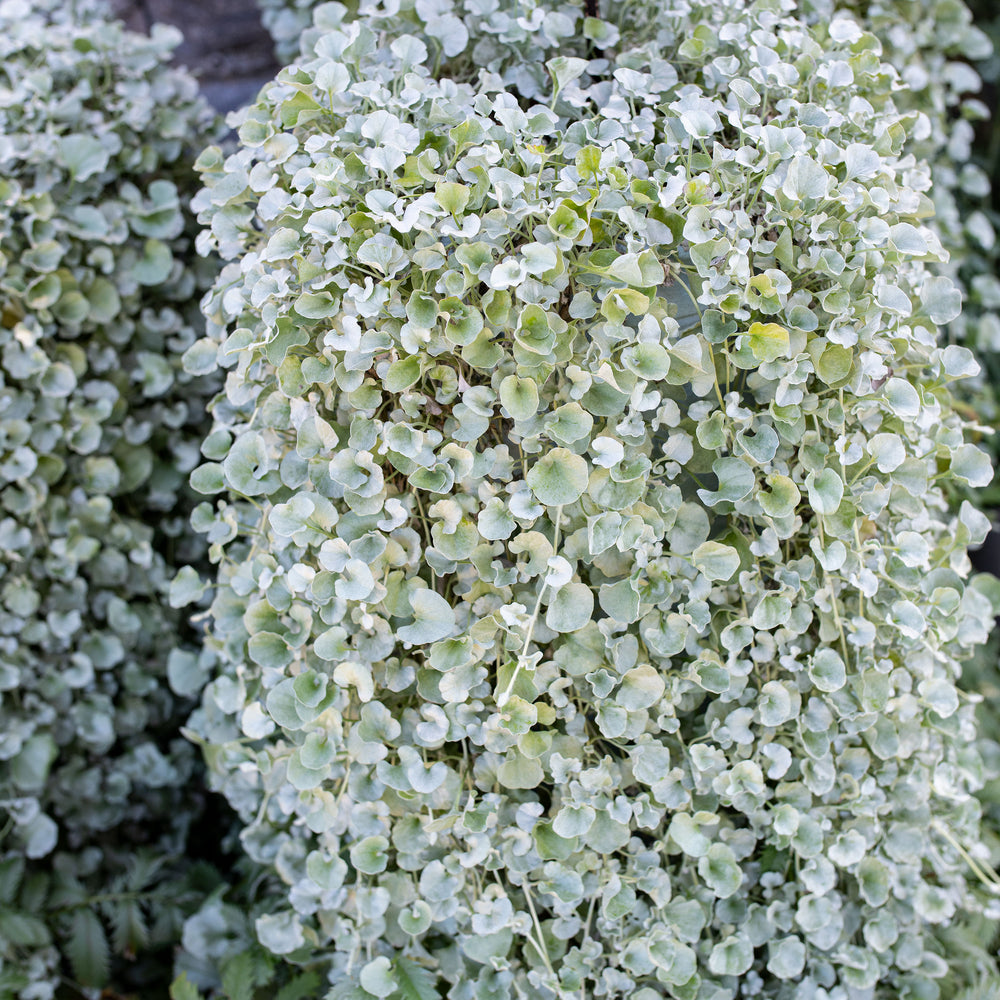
x: 589, y: 609
x: 99, y: 428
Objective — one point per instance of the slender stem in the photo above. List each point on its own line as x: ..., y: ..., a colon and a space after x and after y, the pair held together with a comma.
x: 540, y: 944
x: 985, y: 873
x: 505, y: 694
x: 833, y: 595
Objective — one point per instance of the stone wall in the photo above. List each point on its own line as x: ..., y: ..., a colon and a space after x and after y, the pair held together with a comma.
x: 224, y: 44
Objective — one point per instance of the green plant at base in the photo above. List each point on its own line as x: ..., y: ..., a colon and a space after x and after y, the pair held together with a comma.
x: 589, y: 608
x: 99, y: 428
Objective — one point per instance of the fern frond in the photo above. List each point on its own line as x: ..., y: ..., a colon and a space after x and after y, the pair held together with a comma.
x: 183, y: 989
x: 348, y: 991
x: 129, y: 931
x: 87, y: 948
x: 23, y: 929
x: 415, y: 982
x: 11, y: 874
x: 35, y: 892
x: 303, y: 987
x: 240, y: 976
x: 143, y: 870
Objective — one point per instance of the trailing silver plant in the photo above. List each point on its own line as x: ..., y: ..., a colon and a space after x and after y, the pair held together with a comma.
x: 941, y: 55
x: 99, y: 429
x: 512, y: 38
x: 589, y: 606
x: 933, y: 44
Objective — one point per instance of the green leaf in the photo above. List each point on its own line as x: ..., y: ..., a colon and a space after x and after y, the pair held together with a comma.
x: 30, y: 767
x: 11, y: 875
x: 783, y: 496
x: 239, y: 977
x: 82, y: 155
x: 518, y: 715
x: 23, y: 929
x: 495, y: 521
x: 873, y: 879
x: 433, y: 618
x: 183, y: 989
x: 208, y: 479
x: 906, y: 238
x: 806, y: 179
x: 648, y: 361
x: 774, y: 704
x: 414, y: 981
x: 732, y: 956
x: 452, y: 197
x: 716, y: 561
x: 565, y: 69
x: 573, y: 820
x: 467, y: 133
x: 281, y: 933
x: 186, y: 587
x: 736, y: 480
x: 558, y: 478
x: 548, y: 843
x: 971, y: 465
x: 569, y: 423
x: 786, y: 957
x: 772, y: 611
x: 129, y: 931
x: 834, y: 364
x: 571, y: 608
x: 43, y: 292
x: 719, y: 869
x: 519, y: 397
x: 154, y: 267
x: 827, y: 670
x: 376, y: 977
x: 248, y: 467
x: 268, y: 649
x: 402, y: 374
x: 620, y: 601
x: 422, y: 310
x: 520, y: 772
x: 641, y: 687
x: 416, y: 918
x: 316, y: 305
x: 768, y: 341
x: 684, y: 831
x: 369, y: 855
x: 87, y: 948
x: 825, y: 491
x: 462, y: 322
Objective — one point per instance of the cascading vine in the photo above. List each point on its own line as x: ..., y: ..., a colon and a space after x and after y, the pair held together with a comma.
x: 589, y: 606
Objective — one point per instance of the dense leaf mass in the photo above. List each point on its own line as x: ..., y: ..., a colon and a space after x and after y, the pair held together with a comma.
x: 933, y: 44
x: 589, y: 608
x: 99, y: 428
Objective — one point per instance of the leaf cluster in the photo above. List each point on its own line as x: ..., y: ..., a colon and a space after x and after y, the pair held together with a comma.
x: 99, y: 428
x: 589, y: 607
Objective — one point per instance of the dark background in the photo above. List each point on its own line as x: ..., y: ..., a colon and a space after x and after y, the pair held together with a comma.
x: 224, y: 44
